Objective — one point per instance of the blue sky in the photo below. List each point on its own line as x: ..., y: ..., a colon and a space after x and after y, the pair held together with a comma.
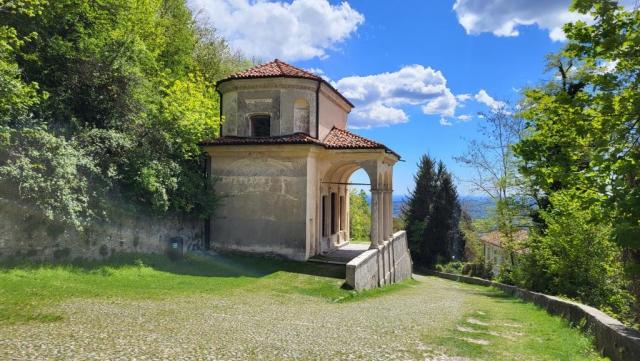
x: 447, y: 57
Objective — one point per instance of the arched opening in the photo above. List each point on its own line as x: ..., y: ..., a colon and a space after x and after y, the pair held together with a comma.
x: 360, y: 182
x: 301, y: 116
x: 359, y: 204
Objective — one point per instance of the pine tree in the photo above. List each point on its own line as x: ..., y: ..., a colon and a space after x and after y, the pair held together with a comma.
x: 432, y: 216
x: 418, y: 208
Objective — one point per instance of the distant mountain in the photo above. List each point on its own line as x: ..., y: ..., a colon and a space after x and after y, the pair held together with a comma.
x: 477, y: 206
x: 398, y: 201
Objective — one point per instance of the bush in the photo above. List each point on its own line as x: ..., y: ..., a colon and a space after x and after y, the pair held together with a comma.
x: 575, y: 257
x: 451, y: 267
x: 478, y: 269
x: 49, y: 172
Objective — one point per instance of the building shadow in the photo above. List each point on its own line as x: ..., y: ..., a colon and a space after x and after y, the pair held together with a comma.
x: 202, y: 264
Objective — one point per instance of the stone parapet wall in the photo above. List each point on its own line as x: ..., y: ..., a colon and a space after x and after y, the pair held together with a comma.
x: 25, y: 234
x: 387, y: 264
x: 612, y: 338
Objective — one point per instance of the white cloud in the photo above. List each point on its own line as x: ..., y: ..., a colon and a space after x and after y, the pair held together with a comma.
x: 464, y: 117
x: 505, y: 17
x: 316, y: 71
x: 445, y: 122
x: 379, y: 98
x: 377, y: 115
x: 319, y: 72
x: 302, y: 29
x: 463, y: 97
x: 483, y: 97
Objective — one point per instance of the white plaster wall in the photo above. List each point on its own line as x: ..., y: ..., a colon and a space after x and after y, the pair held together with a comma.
x: 331, y: 114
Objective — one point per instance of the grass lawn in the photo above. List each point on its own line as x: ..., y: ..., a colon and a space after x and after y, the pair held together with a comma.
x: 243, y: 308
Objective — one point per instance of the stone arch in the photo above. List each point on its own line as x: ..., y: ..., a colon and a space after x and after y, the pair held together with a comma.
x: 338, y: 175
x: 301, y: 112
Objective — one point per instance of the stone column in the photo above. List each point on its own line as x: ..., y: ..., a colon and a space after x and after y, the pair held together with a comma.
x: 386, y: 215
x: 375, y: 218
x: 381, y: 210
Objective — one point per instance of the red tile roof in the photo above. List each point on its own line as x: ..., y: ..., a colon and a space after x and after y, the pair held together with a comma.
x: 336, y: 139
x: 344, y: 139
x: 495, y: 238
x: 276, y: 68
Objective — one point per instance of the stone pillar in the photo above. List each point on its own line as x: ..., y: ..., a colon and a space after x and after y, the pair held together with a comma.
x: 381, y: 210
x: 388, y: 215
x: 375, y: 218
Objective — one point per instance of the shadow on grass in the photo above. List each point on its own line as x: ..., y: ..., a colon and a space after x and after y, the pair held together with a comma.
x: 203, y: 265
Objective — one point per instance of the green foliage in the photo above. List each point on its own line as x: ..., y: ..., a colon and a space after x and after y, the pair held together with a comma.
x: 575, y: 257
x: 432, y: 216
x: 359, y: 215
x: 119, y: 94
x: 49, y: 172
x: 455, y: 267
x: 581, y: 159
x: 190, y: 112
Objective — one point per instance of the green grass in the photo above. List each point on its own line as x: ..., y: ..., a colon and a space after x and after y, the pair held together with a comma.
x: 497, y: 327
x: 457, y: 319
x: 28, y: 289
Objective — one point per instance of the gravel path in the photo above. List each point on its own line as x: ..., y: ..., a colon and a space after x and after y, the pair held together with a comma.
x: 242, y: 325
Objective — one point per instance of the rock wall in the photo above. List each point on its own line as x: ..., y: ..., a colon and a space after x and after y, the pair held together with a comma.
x: 24, y: 234
x: 612, y: 338
x: 390, y: 263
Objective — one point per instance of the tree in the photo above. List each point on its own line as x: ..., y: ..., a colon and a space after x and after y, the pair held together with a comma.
x: 495, y: 168
x: 122, y: 90
x: 359, y: 215
x: 432, y: 216
x: 581, y: 153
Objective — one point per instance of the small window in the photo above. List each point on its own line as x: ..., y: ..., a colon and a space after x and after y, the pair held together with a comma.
x: 260, y: 126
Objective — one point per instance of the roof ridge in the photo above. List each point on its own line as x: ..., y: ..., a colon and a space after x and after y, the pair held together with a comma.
x: 277, y: 61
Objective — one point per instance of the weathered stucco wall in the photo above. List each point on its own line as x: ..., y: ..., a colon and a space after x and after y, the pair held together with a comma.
x: 25, y: 234
x: 387, y: 264
x: 276, y: 97
x: 264, y: 203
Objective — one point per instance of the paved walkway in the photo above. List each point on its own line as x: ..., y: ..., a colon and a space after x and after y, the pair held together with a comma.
x: 341, y: 255
x: 260, y: 324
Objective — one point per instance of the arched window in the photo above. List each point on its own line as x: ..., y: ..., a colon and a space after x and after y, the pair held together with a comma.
x: 260, y: 125
x: 301, y: 116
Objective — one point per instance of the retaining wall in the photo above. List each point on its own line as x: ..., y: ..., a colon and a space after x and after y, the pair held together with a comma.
x: 612, y: 338
x: 387, y: 264
x: 25, y: 234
